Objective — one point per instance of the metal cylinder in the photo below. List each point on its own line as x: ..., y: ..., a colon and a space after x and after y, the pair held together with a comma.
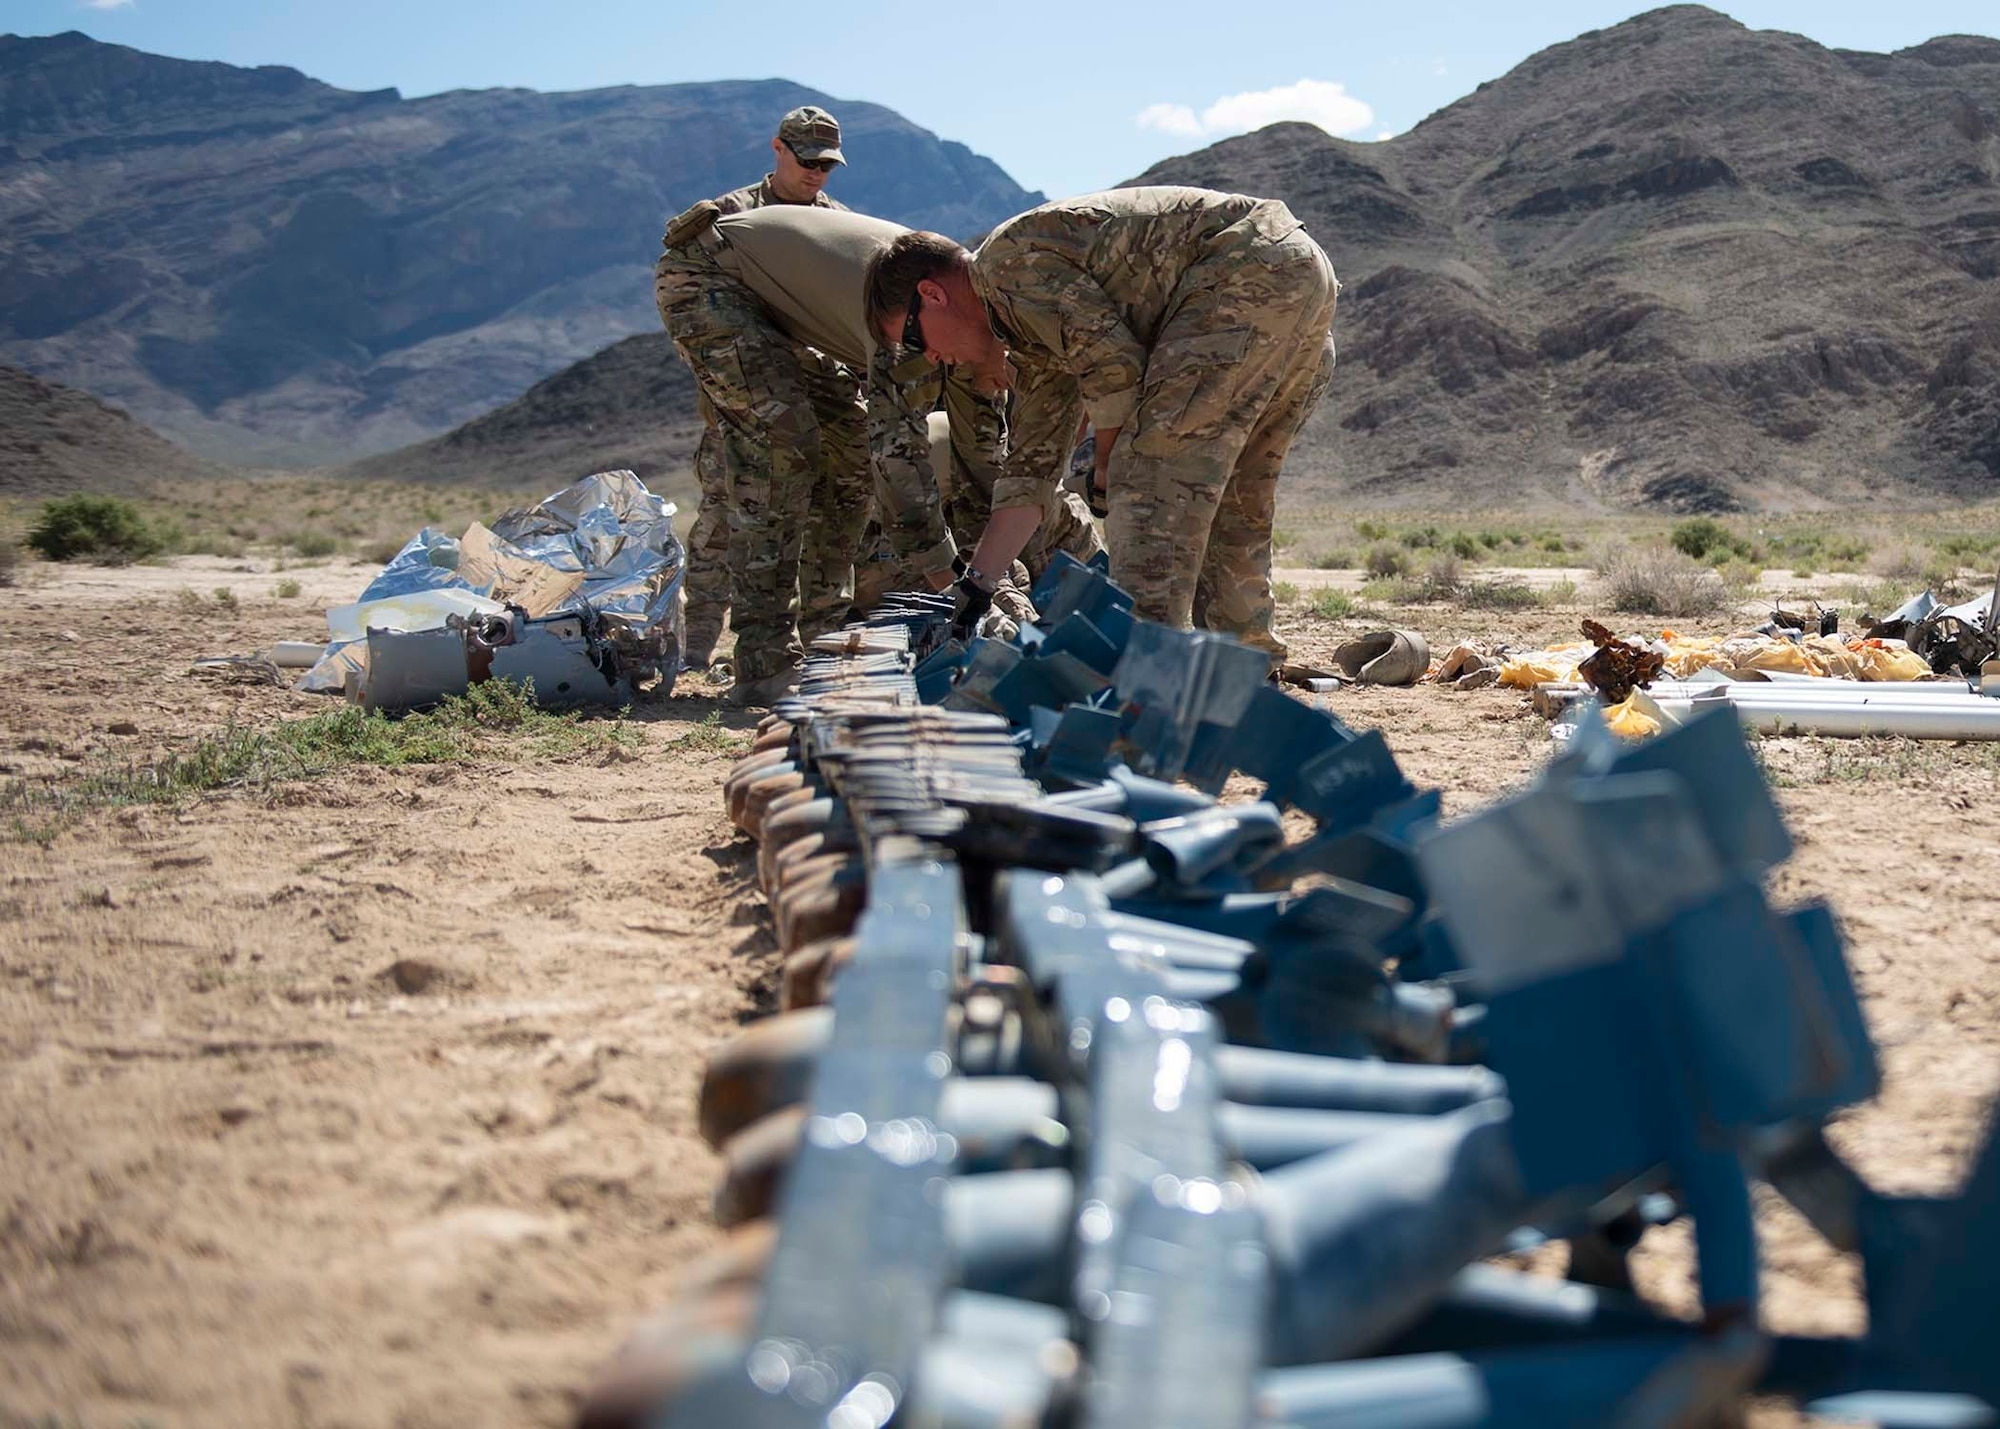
x: 1261, y: 1077
x: 1364, y: 1238
x: 1939, y: 717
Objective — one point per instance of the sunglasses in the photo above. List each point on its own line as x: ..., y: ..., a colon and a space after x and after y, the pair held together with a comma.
x: 913, y: 328
x: 818, y: 166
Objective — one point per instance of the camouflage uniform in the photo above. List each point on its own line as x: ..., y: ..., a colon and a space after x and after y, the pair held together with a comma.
x: 971, y: 433
x: 707, y: 582
x: 1197, y: 323
x: 796, y: 435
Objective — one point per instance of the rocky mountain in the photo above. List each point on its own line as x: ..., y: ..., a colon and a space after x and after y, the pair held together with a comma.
x: 1676, y: 263
x: 630, y: 406
x: 55, y: 440
x: 273, y: 270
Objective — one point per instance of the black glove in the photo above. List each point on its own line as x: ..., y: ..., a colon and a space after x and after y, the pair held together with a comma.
x: 973, y: 602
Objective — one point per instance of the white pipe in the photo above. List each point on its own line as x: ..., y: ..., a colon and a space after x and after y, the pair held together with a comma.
x: 1972, y: 717
x: 296, y: 654
x: 1828, y: 690
x: 1742, y: 691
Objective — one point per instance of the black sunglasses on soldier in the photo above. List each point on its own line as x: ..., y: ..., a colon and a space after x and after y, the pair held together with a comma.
x: 818, y: 166
x: 913, y: 328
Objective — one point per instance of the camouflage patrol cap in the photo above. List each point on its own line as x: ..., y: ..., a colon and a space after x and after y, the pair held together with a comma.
x: 812, y: 133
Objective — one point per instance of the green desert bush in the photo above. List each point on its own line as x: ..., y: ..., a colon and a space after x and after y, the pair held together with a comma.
x: 98, y: 528
x: 1385, y: 562
x: 314, y: 544
x: 1331, y: 604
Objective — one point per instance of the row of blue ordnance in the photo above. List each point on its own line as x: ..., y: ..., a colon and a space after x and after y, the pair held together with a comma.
x: 1099, y: 1099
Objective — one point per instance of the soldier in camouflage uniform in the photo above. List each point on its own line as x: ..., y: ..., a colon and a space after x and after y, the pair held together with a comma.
x: 965, y: 486
x: 1192, y: 327
x: 804, y: 153
x: 765, y: 306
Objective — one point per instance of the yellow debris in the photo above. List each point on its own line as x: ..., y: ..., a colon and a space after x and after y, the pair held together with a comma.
x: 1629, y: 721
x: 1821, y: 656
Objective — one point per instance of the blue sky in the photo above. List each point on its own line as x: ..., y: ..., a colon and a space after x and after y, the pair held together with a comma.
x: 1068, y: 98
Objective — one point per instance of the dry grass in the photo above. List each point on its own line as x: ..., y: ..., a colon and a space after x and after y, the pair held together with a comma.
x: 1659, y: 580
x: 301, y: 518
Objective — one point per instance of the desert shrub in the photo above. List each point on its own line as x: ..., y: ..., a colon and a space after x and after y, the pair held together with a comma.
x: 1385, y: 562
x: 381, y: 552
x: 226, y: 599
x: 1507, y: 593
x: 1337, y: 560
x: 1846, y: 553
x: 1739, y: 574
x: 1944, y: 580
x: 288, y: 589
x: 1331, y: 604
x: 212, y: 543
x: 1968, y: 546
x: 1707, y: 539
x: 1661, y: 581
x: 1900, y: 563
x: 1699, y: 536
x: 1283, y: 538
x: 1443, y: 578
x: 1371, y: 530
x: 313, y: 544
x: 1465, y: 547
x: 1561, y: 593
x: 1422, y: 538
x: 102, y: 528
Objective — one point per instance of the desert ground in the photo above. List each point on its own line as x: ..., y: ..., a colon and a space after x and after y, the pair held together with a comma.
x: 365, y: 1096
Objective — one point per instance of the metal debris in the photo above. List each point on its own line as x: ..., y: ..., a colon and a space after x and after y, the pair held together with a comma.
x: 580, y: 593
x: 1618, y: 667
x: 1082, y: 1115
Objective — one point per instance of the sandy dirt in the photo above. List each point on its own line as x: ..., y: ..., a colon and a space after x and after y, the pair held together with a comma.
x: 369, y: 1100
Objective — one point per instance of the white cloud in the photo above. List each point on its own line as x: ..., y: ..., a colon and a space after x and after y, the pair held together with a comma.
x: 1313, y: 101
x: 108, y: 4
x: 1385, y: 134
x: 1175, y: 119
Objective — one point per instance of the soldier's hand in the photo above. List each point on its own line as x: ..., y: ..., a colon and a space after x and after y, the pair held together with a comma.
x: 973, y: 602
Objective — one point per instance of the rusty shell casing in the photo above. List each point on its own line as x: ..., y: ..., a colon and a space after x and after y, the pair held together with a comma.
x: 754, y: 1163
x: 760, y: 1070
x: 807, y: 980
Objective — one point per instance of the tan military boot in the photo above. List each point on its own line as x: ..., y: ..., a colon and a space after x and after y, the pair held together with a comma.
x: 761, y: 694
